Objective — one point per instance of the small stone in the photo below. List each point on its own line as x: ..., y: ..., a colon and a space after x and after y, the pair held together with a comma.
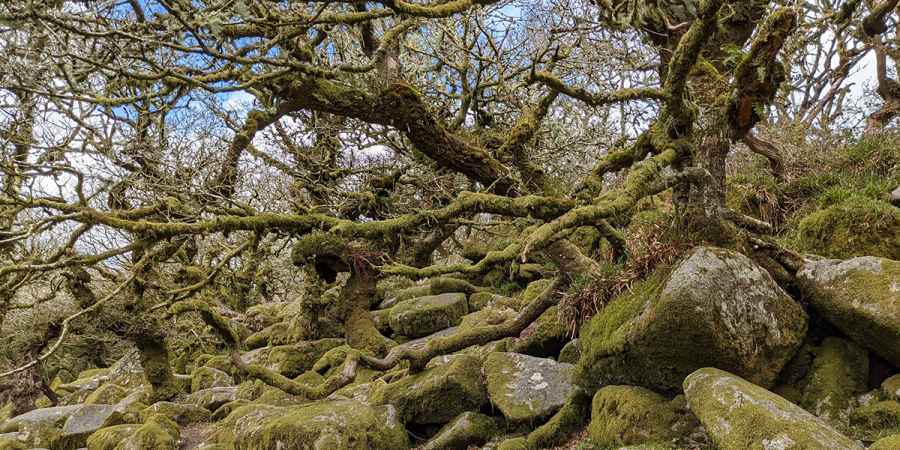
x: 890, y: 388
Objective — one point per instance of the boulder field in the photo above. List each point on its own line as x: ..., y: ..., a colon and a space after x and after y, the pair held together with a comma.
x: 707, y: 353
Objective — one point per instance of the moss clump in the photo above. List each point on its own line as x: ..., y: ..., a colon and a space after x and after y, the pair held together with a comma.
x: 626, y: 415
x: 108, y: 438
x: 740, y: 415
x: 207, y: 377
x: 570, y: 353
x: 466, y: 430
x: 716, y: 308
x: 876, y: 420
x: 859, y: 297
x: 426, y: 315
x: 435, y: 395
x: 294, y: 359
x: 332, y: 424
x: 158, y: 432
x: 517, y: 443
x: 856, y: 226
x: 545, y: 337
x: 891, y: 442
x: 107, y: 394
x: 568, y: 420
x: 890, y: 388
x: 839, y: 373
x: 181, y: 413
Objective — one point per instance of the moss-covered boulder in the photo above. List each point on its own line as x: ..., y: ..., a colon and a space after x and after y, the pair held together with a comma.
x: 480, y: 300
x: 856, y: 226
x: 890, y: 388
x: 877, y: 420
x: 84, y: 422
x: 324, y: 425
x: 158, y: 432
x: 891, y: 442
x: 107, y: 394
x: 839, y: 373
x: 740, y: 415
x: 545, y: 337
x: 35, y: 419
x: 515, y: 443
x: 212, y: 398
x: 861, y: 297
x: 181, y: 413
x: 466, y: 430
x: 435, y: 395
x: 628, y: 415
x: 425, y: 315
x: 570, y: 353
x: 715, y: 308
x: 525, y: 388
x: 108, y: 438
x: 208, y: 377
x: 293, y: 359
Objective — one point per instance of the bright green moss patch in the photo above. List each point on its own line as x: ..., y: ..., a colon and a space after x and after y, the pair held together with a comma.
x: 855, y: 226
x: 626, y: 415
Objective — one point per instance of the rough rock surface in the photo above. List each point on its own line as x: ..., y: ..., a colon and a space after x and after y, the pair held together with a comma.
x: 526, y: 388
x: 627, y: 415
x: 213, y: 398
x: 839, y: 373
x: 425, y: 315
x: 208, y: 377
x: 467, y: 429
x: 740, y: 415
x: 435, y: 395
x: 326, y: 425
x: 292, y: 359
x: 716, y: 308
x: 861, y: 297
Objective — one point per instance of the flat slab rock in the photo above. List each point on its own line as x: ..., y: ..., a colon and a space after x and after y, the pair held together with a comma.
x: 212, y: 398
x: 740, y: 415
x: 525, y: 387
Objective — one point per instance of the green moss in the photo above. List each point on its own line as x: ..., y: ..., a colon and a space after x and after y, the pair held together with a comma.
x: 545, y: 337
x: 854, y: 226
x: 570, y: 353
x: 839, y: 373
x: 108, y: 438
x: 606, y: 330
x: 207, y: 377
x: 181, y: 413
x: 890, y: 388
x: 626, y: 415
x: 158, y: 432
x: 466, y: 430
x: 426, y: 315
x: 740, y: 415
x: 333, y: 424
x: 567, y: 421
x: 859, y: 297
x: 876, y: 420
x: 517, y: 443
x: 435, y: 395
x: 106, y: 394
x: 891, y: 442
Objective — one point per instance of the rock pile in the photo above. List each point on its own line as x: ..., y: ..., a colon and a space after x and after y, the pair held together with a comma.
x: 708, y: 354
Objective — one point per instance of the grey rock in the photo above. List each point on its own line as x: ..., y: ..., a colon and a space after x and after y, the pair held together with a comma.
x: 425, y: 315
x: 526, y: 388
x: 739, y: 415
